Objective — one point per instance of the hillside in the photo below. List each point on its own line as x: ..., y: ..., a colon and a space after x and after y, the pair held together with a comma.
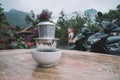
x: 16, y: 17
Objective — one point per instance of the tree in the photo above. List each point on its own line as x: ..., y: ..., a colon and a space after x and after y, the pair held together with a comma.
x: 3, y: 19
x: 73, y: 20
x: 31, y: 19
x: 118, y: 7
x: 93, y: 24
x: 113, y: 15
x: 4, y: 25
x: 118, y: 14
x: 62, y: 33
x: 5, y: 30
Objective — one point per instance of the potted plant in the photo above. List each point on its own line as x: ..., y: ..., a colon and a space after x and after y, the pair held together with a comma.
x: 45, y: 15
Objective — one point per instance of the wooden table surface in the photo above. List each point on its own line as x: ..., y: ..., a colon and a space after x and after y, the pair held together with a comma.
x: 18, y: 64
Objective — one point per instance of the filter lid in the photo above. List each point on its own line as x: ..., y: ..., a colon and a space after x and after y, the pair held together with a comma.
x: 46, y: 23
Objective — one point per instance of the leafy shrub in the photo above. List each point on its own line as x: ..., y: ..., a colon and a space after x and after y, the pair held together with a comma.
x: 19, y: 44
x: 1, y: 46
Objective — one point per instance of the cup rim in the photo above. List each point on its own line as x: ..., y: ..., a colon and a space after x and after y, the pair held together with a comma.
x: 36, y: 51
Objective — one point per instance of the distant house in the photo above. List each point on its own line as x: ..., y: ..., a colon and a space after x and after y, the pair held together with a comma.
x: 27, y: 30
x: 28, y: 33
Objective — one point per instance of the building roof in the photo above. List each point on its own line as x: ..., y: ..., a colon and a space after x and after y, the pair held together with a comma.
x: 27, y: 30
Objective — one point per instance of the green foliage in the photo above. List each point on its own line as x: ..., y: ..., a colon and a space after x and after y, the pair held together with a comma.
x: 5, y: 30
x: 19, y: 44
x: 113, y: 15
x: 62, y: 33
x: 94, y: 27
x: 4, y: 25
x: 75, y: 21
x: 1, y: 46
x: 3, y: 19
x: 88, y: 19
x: 31, y: 19
x: 6, y: 33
